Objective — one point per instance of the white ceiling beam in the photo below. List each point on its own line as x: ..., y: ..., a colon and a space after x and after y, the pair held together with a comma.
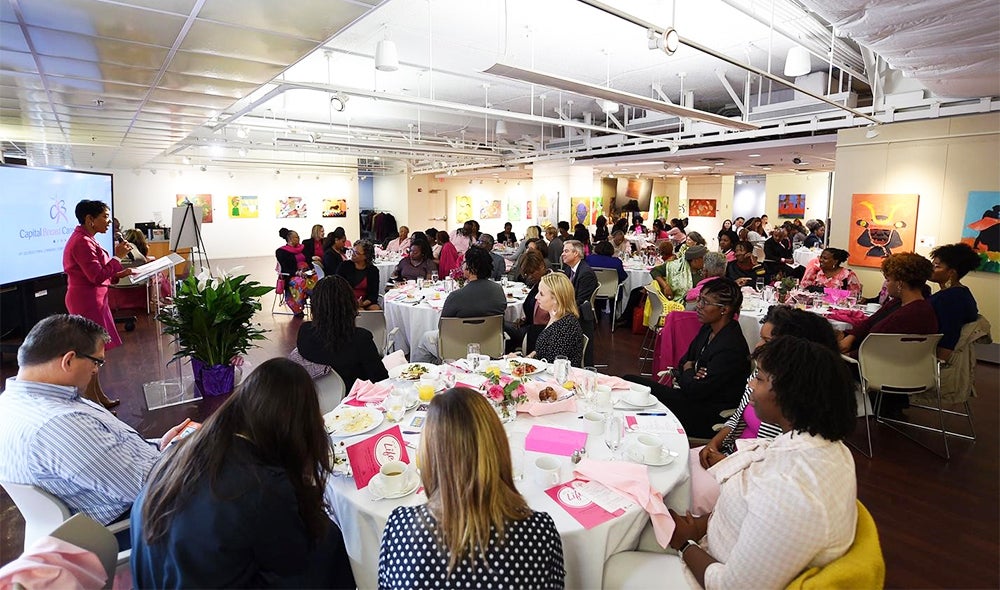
x: 721, y: 75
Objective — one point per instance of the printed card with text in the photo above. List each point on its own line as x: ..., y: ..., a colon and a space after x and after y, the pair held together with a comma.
x: 578, y: 506
x: 368, y: 456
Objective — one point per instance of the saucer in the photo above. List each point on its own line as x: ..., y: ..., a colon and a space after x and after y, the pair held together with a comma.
x: 665, y: 457
x: 376, y: 486
x: 650, y: 401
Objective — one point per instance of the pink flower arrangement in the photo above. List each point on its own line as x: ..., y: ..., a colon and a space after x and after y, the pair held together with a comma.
x: 503, y: 389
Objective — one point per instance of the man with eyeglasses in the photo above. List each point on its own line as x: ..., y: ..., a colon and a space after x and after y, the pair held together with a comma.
x: 52, y: 438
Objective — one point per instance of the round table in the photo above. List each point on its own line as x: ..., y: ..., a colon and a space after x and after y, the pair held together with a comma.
x: 385, y: 267
x: 584, y: 551
x: 638, y: 276
x: 804, y: 256
x: 417, y: 311
x: 751, y: 316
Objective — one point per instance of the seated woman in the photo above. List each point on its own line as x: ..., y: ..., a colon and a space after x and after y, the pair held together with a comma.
x: 418, y: 265
x: 312, y: 247
x: 475, y: 530
x: 533, y: 268
x: 816, y: 232
x: 714, y: 267
x: 582, y: 235
x: 674, y: 275
x: 790, y: 503
x: 449, y: 259
x: 954, y: 304
x: 744, y: 269
x: 562, y: 334
x: 334, y: 251
x: 239, y: 503
x: 139, y: 254
x: 727, y: 244
x: 826, y: 272
x: 362, y: 275
x: 907, y: 311
x: 296, y: 276
x: 714, y: 370
x: 333, y: 339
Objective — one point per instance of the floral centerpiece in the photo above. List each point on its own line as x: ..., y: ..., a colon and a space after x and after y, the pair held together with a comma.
x: 211, y: 320
x: 458, y: 275
x: 785, y: 286
x: 504, y: 393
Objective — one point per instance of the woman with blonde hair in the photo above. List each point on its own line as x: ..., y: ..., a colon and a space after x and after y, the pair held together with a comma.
x: 475, y: 528
x: 312, y: 247
x: 563, y: 334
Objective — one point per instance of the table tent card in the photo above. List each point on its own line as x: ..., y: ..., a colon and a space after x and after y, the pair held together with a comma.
x: 368, y: 456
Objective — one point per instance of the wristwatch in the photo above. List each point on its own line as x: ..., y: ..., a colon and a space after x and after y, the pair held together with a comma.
x: 687, y: 545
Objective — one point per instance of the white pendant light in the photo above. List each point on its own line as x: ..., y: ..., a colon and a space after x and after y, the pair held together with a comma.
x: 608, y: 106
x: 798, y: 62
x: 386, y: 56
x: 501, y: 128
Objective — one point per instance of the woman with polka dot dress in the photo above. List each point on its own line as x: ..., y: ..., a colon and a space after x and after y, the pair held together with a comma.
x: 476, y: 530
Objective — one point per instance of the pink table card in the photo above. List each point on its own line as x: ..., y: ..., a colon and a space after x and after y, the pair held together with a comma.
x: 554, y: 441
x: 582, y: 509
x: 368, y: 456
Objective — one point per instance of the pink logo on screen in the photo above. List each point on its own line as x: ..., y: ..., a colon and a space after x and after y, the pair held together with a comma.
x: 57, y: 212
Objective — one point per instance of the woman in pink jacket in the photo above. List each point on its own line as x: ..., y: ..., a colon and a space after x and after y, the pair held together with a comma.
x: 90, y: 270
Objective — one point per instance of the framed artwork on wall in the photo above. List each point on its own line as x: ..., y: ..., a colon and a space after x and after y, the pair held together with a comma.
x: 242, y: 207
x: 792, y: 206
x: 463, y: 206
x: 291, y: 207
x: 661, y: 207
x: 203, y: 200
x: 529, y: 209
x: 490, y: 209
x: 881, y: 225
x: 702, y: 207
x: 596, y: 209
x: 981, y: 228
x: 579, y: 210
x: 334, y: 207
x: 513, y: 210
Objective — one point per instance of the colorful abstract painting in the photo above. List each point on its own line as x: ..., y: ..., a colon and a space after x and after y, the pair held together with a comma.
x: 661, y: 207
x: 596, y: 209
x: 201, y: 200
x: 702, y: 207
x: 334, y: 207
x: 880, y: 226
x: 579, y: 210
x: 981, y: 228
x: 513, y: 210
x: 490, y: 209
x: 242, y: 207
x: 792, y: 206
x: 291, y: 207
x: 463, y: 204
x: 529, y: 209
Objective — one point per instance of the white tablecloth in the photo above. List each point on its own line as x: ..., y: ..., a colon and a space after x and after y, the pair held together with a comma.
x: 804, y: 256
x: 385, y: 268
x: 638, y: 276
x: 584, y: 551
x: 750, y: 322
x: 414, y: 321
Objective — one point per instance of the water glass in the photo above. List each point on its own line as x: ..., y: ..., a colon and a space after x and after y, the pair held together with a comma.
x: 589, y: 381
x: 560, y: 369
x: 851, y: 302
x: 472, y: 357
x: 434, y: 276
x: 503, y: 281
x: 614, y: 434
x: 759, y: 285
x: 395, y: 406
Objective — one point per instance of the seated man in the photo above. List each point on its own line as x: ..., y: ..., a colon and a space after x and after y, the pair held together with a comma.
x: 499, y: 264
x: 479, y: 297
x: 778, y: 255
x: 507, y: 235
x: 52, y: 438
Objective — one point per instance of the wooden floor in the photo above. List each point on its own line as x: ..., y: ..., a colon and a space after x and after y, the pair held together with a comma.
x: 938, y: 520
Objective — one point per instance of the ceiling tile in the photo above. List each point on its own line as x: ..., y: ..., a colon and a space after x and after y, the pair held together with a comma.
x: 307, y: 19
x: 63, y: 44
x: 176, y: 6
x: 75, y: 72
x: 191, y: 98
x: 230, y: 41
x: 101, y: 19
x: 214, y: 66
x: 12, y: 38
x: 202, y: 84
x: 165, y: 108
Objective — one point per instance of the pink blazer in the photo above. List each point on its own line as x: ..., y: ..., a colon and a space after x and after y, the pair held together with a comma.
x: 89, y: 272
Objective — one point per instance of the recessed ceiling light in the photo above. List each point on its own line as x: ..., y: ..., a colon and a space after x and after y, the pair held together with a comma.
x: 753, y: 155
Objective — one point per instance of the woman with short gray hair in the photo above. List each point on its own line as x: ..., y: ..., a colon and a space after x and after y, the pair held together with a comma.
x: 715, y: 267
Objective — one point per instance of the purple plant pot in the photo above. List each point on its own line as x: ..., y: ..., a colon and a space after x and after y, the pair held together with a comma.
x: 213, y: 380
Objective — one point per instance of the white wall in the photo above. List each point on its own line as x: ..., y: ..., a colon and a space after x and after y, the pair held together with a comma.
x: 139, y: 197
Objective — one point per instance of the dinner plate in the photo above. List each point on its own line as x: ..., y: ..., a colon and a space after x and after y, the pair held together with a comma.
x: 665, y: 457
x: 650, y: 401
x: 376, y: 486
x: 351, y: 420
x: 407, y: 372
x: 537, y: 366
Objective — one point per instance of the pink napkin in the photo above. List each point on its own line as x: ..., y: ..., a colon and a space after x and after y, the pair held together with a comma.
x: 610, y: 380
x: 849, y: 316
x: 365, y: 392
x: 394, y: 360
x: 53, y: 563
x: 539, y: 408
x: 632, y: 481
x: 835, y: 296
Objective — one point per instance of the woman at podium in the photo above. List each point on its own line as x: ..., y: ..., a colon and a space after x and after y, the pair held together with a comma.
x: 90, y: 270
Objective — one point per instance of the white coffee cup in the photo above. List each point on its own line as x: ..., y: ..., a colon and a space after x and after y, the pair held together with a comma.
x: 394, y: 476
x: 650, y: 448
x: 637, y: 395
x: 593, y: 423
x: 547, y: 471
x: 872, y: 307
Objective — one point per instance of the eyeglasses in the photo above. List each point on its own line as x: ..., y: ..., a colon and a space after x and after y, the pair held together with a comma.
x: 702, y: 302
x: 97, y: 361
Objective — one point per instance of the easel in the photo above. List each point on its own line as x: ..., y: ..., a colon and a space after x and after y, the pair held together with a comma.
x: 188, y: 214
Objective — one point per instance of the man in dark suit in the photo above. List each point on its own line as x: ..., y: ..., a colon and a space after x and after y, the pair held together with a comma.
x: 584, y: 283
x: 507, y: 235
x: 778, y: 255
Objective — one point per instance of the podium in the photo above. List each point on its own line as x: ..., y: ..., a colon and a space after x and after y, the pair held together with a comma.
x: 177, y: 388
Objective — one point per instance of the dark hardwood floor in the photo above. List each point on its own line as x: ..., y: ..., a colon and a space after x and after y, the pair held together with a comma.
x: 938, y: 520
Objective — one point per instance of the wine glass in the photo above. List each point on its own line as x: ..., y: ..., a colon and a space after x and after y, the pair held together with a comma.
x: 395, y: 406
x: 472, y: 357
x: 614, y: 434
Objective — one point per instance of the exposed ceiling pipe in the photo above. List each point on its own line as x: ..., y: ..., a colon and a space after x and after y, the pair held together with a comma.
x: 695, y: 45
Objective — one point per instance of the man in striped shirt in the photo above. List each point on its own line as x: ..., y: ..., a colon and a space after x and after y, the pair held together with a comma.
x: 52, y: 438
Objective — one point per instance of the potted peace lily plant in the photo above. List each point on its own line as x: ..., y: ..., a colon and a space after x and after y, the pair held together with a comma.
x: 211, y: 320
